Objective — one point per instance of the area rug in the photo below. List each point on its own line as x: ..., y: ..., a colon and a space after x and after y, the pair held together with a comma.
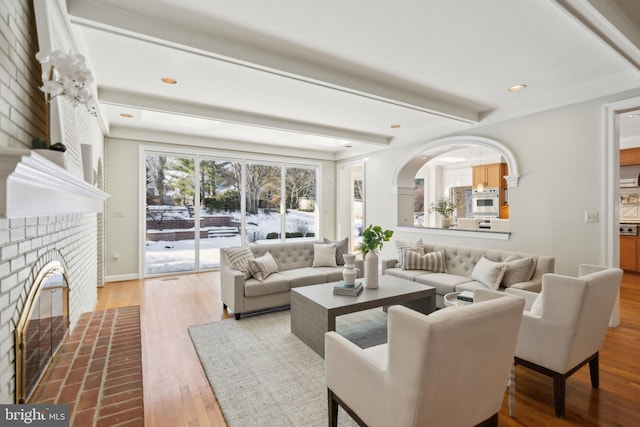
x: 263, y: 375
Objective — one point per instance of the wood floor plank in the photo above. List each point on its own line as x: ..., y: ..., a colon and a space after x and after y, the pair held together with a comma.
x: 176, y: 390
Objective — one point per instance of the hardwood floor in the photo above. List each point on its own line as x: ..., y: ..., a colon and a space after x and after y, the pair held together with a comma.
x: 176, y: 391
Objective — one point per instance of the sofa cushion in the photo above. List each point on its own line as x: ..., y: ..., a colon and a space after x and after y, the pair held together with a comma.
x: 305, y: 276
x: 324, y: 255
x: 263, y: 266
x: 342, y: 247
x: 432, y: 261
x: 470, y: 286
x: 400, y: 245
x: 518, y: 270
x: 405, y: 274
x: 334, y: 274
x: 271, y: 285
x: 239, y: 259
x: 443, y: 282
x: 489, y: 273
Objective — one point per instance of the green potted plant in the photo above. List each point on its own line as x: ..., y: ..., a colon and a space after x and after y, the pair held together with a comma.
x: 373, y: 237
x: 445, y: 207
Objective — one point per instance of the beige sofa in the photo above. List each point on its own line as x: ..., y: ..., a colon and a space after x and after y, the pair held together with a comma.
x: 295, y: 265
x: 460, y: 265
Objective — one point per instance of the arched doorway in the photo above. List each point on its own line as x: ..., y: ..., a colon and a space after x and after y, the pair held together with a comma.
x: 405, y: 174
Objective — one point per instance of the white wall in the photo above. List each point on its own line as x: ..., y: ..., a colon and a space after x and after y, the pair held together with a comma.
x: 122, y: 162
x: 560, y: 156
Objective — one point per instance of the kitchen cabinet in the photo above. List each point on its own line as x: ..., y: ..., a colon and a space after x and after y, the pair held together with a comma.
x: 489, y: 175
x: 630, y: 156
x: 629, y: 253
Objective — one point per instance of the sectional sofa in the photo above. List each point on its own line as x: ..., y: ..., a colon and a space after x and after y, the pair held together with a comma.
x: 456, y: 269
x: 264, y: 281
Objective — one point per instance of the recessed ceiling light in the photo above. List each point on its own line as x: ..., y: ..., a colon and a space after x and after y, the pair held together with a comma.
x: 517, y: 88
x: 396, y: 126
x: 169, y: 80
x: 126, y: 115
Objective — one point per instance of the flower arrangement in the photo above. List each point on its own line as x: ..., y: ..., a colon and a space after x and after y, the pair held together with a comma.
x: 373, y: 237
x: 443, y: 206
x: 67, y: 76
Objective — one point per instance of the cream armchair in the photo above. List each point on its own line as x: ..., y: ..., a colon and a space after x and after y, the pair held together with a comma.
x: 449, y: 368
x: 564, y: 325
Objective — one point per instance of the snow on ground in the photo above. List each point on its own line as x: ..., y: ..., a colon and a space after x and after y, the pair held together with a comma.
x: 178, y: 256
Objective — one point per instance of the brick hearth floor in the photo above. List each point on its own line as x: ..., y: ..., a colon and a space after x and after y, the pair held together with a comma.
x: 98, y: 371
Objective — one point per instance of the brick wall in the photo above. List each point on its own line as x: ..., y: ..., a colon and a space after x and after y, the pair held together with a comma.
x: 22, y: 108
x: 79, y: 238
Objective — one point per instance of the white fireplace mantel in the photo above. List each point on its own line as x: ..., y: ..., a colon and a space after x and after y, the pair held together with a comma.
x: 31, y: 185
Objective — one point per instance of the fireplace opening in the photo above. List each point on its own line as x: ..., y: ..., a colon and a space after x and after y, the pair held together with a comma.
x: 42, y: 327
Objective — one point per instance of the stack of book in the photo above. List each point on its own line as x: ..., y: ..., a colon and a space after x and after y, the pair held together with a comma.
x: 466, y: 296
x: 342, y: 288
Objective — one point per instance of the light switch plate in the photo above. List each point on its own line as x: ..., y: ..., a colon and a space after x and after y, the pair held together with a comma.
x: 591, y: 216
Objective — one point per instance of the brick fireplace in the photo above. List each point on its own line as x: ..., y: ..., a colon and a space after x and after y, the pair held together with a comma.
x: 46, y: 214
x: 43, y: 325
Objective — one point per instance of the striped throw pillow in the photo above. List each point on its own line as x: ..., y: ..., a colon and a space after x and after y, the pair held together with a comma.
x: 239, y: 259
x: 263, y: 266
x: 431, y: 261
x: 401, y: 245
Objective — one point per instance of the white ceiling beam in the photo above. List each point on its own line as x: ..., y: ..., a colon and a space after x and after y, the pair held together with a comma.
x: 609, y: 24
x: 95, y: 15
x: 145, y: 102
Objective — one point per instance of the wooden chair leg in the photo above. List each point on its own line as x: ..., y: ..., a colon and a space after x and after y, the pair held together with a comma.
x: 594, y: 371
x: 333, y: 409
x: 558, y: 394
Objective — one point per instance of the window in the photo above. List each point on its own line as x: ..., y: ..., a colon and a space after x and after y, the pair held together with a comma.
x: 196, y: 205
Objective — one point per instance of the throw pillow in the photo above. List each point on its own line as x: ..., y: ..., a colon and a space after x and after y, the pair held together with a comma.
x: 400, y: 245
x: 324, y: 255
x: 239, y: 259
x: 432, y: 261
x: 342, y: 247
x: 489, y: 273
x: 518, y: 270
x: 263, y: 266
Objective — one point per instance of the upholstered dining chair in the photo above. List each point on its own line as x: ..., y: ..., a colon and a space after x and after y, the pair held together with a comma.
x: 564, y: 326
x: 449, y: 368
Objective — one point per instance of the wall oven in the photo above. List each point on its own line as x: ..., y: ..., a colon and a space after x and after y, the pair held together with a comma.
x: 485, y: 203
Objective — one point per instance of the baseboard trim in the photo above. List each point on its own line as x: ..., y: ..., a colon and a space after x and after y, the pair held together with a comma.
x: 121, y: 277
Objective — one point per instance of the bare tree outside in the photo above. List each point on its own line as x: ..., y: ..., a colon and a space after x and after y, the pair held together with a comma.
x: 262, y: 187
x: 301, y: 186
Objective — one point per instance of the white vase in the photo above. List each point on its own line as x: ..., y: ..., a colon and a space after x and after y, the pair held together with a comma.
x: 445, y: 221
x: 371, y: 270
x: 349, y: 273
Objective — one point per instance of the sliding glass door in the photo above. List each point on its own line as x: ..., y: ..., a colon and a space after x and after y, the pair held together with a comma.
x: 301, y: 212
x: 221, y: 210
x: 196, y: 205
x: 263, y: 215
x: 170, y: 214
